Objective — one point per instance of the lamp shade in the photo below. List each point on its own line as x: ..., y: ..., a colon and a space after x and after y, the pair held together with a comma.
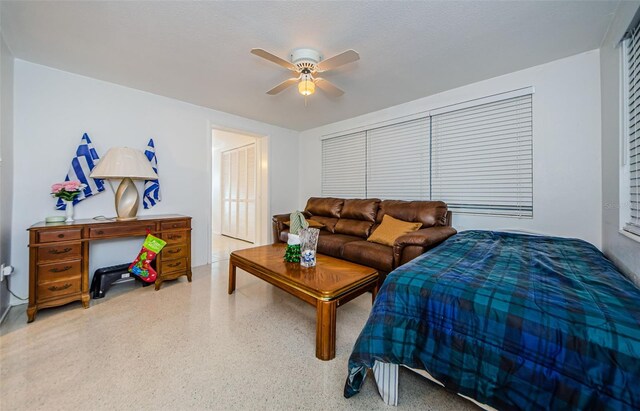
x: 306, y: 86
x: 123, y: 162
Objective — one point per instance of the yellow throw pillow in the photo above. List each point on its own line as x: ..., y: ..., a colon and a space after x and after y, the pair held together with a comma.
x: 312, y: 224
x: 390, y: 229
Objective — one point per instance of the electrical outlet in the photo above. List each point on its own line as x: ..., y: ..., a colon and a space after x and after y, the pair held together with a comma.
x: 5, y: 270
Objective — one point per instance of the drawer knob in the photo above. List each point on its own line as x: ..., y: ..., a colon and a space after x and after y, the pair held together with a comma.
x: 174, y: 264
x: 174, y: 237
x: 62, y: 287
x: 63, y: 251
x: 60, y: 270
x: 99, y: 232
x: 60, y: 235
x: 177, y: 250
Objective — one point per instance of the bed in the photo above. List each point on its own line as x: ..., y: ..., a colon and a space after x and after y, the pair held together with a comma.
x: 511, y: 321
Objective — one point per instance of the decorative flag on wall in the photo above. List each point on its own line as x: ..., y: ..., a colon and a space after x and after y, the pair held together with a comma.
x: 151, y: 187
x: 81, y: 165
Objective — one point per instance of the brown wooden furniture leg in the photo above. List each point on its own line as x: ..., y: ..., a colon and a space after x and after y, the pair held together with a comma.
x: 326, y: 329
x: 158, y: 284
x: 232, y: 277
x: 189, y: 275
x: 85, y: 300
x: 31, y: 314
x: 374, y: 293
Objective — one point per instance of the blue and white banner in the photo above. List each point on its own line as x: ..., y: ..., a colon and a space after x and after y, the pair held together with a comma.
x: 151, y: 187
x: 81, y: 165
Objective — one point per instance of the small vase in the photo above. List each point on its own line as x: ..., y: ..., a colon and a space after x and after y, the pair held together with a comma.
x: 69, y: 212
x: 309, y: 240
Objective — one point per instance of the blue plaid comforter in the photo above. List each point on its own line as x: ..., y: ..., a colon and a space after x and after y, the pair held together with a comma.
x: 514, y: 321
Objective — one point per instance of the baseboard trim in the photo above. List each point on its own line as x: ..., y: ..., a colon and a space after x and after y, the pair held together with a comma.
x: 4, y: 314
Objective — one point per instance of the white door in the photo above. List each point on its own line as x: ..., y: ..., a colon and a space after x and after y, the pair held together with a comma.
x: 239, y: 192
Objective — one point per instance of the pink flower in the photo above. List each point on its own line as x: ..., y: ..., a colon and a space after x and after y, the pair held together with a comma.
x: 72, y: 185
x: 56, y: 188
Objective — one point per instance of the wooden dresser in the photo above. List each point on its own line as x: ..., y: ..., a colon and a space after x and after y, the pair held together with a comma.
x: 59, y: 255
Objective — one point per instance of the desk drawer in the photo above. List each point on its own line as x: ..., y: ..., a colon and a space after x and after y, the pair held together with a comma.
x: 59, y: 271
x: 60, y: 288
x: 50, y: 236
x: 171, y: 266
x: 121, y: 230
x: 175, y: 251
x: 170, y: 225
x: 59, y: 252
x: 179, y: 237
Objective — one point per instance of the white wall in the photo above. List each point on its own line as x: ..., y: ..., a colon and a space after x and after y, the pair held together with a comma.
x: 566, y: 127
x: 52, y: 110
x: 6, y: 164
x: 624, y: 251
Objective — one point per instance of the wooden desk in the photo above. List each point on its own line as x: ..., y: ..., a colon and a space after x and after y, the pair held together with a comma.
x: 59, y: 255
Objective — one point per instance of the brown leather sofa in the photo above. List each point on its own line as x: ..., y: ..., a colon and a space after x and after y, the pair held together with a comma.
x: 349, y: 222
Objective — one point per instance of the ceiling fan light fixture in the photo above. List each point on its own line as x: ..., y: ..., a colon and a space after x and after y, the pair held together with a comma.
x: 305, y: 64
x: 306, y: 86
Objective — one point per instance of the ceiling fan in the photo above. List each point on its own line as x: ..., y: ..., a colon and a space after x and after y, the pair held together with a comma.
x: 306, y: 64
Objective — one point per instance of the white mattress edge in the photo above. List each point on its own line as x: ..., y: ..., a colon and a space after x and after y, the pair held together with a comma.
x: 430, y: 377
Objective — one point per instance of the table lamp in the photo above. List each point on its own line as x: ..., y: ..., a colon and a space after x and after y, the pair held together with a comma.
x: 125, y: 163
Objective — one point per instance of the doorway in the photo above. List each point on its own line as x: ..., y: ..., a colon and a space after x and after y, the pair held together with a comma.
x: 238, y: 188
x: 239, y: 182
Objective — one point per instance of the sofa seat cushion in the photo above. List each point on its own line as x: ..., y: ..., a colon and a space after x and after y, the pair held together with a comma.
x: 329, y: 223
x: 372, y: 255
x: 331, y: 244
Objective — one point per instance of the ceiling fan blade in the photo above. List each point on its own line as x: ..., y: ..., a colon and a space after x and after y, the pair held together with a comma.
x: 274, y: 59
x: 280, y: 87
x: 328, y: 87
x: 338, y: 60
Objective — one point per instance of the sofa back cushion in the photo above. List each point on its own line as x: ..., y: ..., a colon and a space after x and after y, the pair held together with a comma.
x: 354, y: 227
x: 429, y: 213
x: 324, y: 206
x: 356, y: 209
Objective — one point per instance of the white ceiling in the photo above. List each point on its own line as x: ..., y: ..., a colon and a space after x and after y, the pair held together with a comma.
x: 199, y: 51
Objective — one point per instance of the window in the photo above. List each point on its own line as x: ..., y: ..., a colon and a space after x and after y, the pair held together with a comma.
x: 482, y: 158
x: 632, y: 51
x: 476, y: 156
x: 398, y: 161
x: 344, y: 166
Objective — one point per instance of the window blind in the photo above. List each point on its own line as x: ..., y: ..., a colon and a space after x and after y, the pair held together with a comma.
x: 633, y: 78
x: 482, y: 158
x: 344, y: 161
x: 398, y: 161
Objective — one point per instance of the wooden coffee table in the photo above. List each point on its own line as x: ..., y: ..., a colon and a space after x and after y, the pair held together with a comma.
x: 331, y: 283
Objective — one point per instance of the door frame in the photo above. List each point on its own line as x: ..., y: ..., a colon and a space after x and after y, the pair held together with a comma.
x: 263, y: 204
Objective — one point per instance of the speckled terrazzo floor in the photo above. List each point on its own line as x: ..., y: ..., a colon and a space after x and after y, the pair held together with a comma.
x: 191, y: 346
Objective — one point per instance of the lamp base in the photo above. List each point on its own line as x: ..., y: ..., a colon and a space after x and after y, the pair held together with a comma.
x: 127, y: 200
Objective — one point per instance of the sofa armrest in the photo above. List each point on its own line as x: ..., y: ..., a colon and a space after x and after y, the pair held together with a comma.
x: 277, y: 223
x: 426, y: 238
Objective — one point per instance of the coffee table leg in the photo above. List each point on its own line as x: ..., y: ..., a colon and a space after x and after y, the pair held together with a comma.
x: 374, y: 293
x: 232, y: 277
x: 326, y: 329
